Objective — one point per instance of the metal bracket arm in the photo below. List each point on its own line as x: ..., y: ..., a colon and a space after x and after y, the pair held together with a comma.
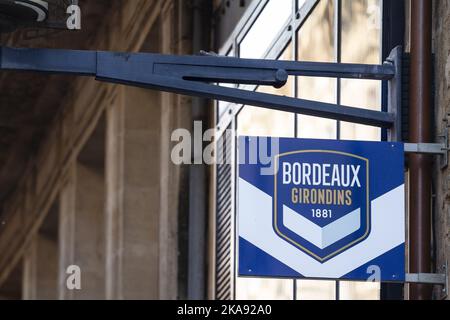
x: 196, y: 75
x: 426, y: 148
x: 441, y: 149
x: 440, y: 279
x: 426, y: 278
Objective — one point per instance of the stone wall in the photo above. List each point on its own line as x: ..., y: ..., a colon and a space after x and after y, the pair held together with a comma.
x: 120, y: 221
x: 441, y: 47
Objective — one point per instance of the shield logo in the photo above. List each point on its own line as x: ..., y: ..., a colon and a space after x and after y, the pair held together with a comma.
x: 321, y: 201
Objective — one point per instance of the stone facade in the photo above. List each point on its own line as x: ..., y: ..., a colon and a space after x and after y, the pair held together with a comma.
x: 101, y: 192
x: 441, y: 48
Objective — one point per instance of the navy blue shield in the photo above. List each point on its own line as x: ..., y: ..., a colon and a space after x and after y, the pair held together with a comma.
x: 321, y: 201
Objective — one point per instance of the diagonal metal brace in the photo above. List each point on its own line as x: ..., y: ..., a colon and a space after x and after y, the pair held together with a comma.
x: 197, y: 75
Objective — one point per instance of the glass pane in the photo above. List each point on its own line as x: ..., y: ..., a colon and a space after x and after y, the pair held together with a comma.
x: 361, y: 43
x: 316, y: 42
x: 361, y: 31
x: 359, y: 291
x: 265, y: 29
x: 316, y: 36
x: 318, y: 89
x: 316, y: 290
x: 254, y: 121
x: 363, y: 94
x: 264, y: 289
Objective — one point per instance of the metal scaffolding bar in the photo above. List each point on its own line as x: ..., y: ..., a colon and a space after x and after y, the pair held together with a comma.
x: 197, y: 75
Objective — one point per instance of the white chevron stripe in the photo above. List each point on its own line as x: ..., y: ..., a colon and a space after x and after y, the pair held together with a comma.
x: 255, y: 226
x: 321, y: 237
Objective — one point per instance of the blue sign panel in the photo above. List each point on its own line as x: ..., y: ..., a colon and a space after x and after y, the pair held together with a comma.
x: 321, y: 209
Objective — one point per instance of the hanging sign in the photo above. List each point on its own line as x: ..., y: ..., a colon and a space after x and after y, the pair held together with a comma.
x: 321, y: 209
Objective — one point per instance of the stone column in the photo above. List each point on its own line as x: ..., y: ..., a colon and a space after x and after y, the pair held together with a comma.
x: 132, y: 174
x: 40, y: 280
x: 89, y: 246
x: 175, y: 114
x: 67, y: 233
x: 82, y: 222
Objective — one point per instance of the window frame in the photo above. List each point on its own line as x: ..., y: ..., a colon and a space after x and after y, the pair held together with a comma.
x: 392, y: 31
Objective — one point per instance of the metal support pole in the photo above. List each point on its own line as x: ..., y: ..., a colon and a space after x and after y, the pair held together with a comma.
x: 420, y: 132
